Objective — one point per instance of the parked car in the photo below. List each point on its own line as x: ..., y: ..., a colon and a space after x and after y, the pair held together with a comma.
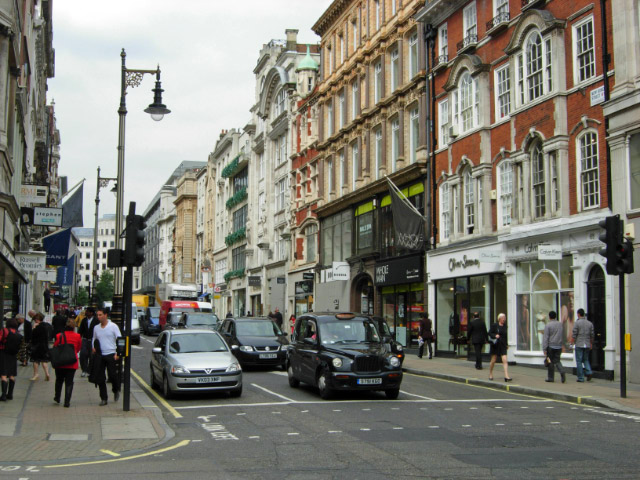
x: 391, y: 344
x: 173, y: 320
x: 255, y: 340
x: 189, y: 360
x: 150, y: 321
x: 199, y: 320
x: 341, y: 351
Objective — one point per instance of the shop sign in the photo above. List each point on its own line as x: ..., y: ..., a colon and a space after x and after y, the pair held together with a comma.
x: 32, y: 262
x: 550, y: 251
x: 340, y: 270
x: 308, y: 275
x: 402, y: 270
x: 281, y: 280
x: 464, y: 262
x: 48, y: 217
x: 46, y: 276
x: 304, y: 288
x: 255, y: 280
x: 491, y: 256
x: 33, y: 194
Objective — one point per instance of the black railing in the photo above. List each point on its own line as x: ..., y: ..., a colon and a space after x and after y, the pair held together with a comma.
x: 502, y: 17
x: 468, y: 40
x: 441, y: 60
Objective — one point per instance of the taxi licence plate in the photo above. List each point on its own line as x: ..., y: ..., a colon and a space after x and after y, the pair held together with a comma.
x: 268, y: 355
x: 207, y: 379
x: 369, y: 381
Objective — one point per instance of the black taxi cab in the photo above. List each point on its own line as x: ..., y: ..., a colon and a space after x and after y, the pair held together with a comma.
x: 341, y: 351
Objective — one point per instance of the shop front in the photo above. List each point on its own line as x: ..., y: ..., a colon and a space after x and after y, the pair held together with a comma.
x: 255, y: 297
x: 400, y: 287
x: 462, y: 282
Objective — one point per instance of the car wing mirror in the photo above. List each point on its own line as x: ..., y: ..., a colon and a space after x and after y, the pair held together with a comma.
x: 309, y: 341
x: 156, y: 350
x: 234, y: 347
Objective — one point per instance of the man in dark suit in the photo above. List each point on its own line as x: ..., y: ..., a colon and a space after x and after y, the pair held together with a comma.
x: 477, y: 335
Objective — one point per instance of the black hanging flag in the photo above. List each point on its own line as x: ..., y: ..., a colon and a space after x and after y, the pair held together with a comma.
x: 72, y: 209
x: 407, y: 222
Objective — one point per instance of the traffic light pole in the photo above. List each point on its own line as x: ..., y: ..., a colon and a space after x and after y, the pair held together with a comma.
x: 623, y: 351
x: 126, y: 296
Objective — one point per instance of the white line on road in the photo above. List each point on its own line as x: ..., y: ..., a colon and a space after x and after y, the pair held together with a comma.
x: 290, y: 400
x: 334, y: 431
x: 293, y: 433
x: 398, y: 428
x: 414, y: 395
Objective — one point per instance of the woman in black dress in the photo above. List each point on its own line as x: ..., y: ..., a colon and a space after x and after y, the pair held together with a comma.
x: 40, y: 347
x: 498, y: 332
x: 8, y: 362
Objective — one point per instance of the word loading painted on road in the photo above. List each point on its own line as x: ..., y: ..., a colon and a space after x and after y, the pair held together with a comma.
x: 216, y: 430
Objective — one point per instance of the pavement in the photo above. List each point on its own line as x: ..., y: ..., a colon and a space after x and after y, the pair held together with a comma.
x: 37, y: 431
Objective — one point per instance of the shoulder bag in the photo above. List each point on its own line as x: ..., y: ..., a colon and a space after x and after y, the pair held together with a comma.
x: 63, y: 354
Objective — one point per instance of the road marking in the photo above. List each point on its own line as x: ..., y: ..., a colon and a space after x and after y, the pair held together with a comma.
x: 109, y: 452
x: 585, y: 421
x: 434, y: 426
x: 276, y: 413
x: 293, y: 433
x: 334, y: 431
x: 497, y: 407
x: 549, y: 407
x: 524, y: 407
x: 466, y: 426
x: 499, y: 424
x: 282, y: 374
x: 395, y: 408
x: 242, y: 413
x: 155, y: 394
x: 337, y: 410
x: 614, y: 414
x: 304, y: 411
x: 611, y: 421
x: 290, y: 400
x: 419, y: 396
x: 254, y: 437
x: 527, y: 423
x: 366, y: 409
x: 554, y: 423
x: 398, y: 428
x: 365, y: 429
x: 449, y: 408
x: 473, y: 408
x: 147, y: 340
x: 122, y: 459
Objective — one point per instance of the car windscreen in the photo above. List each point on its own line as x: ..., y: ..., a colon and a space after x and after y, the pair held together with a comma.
x: 258, y: 328
x: 206, y: 320
x: 154, y: 312
x: 174, y: 319
x: 356, y: 330
x: 197, y: 342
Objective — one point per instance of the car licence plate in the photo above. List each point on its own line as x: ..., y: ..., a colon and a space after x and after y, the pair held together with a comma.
x: 268, y: 355
x: 369, y: 381
x: 207, y: 379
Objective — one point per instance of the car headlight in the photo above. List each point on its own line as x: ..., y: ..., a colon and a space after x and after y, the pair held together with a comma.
x: 246, y: 348
x: 399, y: 347
x: 234, y: 367
x: 394, y: 361
x: 179, y: 369
x: 337, y: 362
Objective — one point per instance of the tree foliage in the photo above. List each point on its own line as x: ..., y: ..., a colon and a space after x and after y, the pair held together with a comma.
x: 82, y: 297
x: 104, y: 288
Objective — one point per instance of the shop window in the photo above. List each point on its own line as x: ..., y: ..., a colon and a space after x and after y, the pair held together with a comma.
x: 336, y: 237
x: 364, y: 218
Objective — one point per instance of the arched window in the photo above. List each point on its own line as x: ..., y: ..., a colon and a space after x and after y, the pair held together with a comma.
x: 538, y: 175
x: 469, y: 201
x: 279, y: 105
x: 445, y: 212
x: 465, y: 103
x: 589, y: 179
x: 534, y: 68
x: 505, y: 193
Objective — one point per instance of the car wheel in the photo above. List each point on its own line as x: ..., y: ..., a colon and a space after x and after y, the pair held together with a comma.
x: 293, y: 381
x: 323, y: 385
x: 392, y: 394
x: 152, y: 378
x: 236, y: 393
x: 166, y: 389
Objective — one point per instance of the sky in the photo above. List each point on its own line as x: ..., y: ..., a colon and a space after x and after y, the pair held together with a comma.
x: 206, y: 50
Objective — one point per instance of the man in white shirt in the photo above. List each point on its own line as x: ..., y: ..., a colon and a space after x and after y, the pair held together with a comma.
x: 106, y: 334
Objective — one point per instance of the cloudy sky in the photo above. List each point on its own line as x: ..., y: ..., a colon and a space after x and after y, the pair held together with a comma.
x: 206, y: 50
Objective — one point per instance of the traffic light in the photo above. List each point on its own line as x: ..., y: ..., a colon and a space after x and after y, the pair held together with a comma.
x: 618, y: 250
x: 134, y: 241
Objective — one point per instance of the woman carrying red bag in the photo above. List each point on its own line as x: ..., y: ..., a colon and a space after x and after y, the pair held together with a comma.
x: 65, y: 373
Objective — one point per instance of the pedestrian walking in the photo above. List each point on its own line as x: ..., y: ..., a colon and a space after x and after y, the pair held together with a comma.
x: 46, y: 295
x: 65, y: 373
x: 40, y: 347
x: 59, y: 321
x: 582, y: 336
x: 425, y: 335
x: 498, y: 338
x: 9, y: 346
x: 229, y: 314
x: 24, y: 329
x: 106, y: 334
x: 87, y: 324
x: 292, y: 323
x: 477, y: 336
x: 277, y: 316
x: 552, y: 345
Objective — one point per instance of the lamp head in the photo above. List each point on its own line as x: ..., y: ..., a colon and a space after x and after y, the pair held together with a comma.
x: 157, y: 109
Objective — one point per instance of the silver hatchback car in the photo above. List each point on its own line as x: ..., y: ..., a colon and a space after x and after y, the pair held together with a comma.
x: 194, y: 361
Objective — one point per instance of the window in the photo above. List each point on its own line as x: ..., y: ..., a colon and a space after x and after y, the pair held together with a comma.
x: 503, y: 93
x: 356, y: 37
x: 413, y: 55
x: 240, y: 218
x: 343, y: 169
x: 505, y: 193
x: 330, y: 117
x: 378, y: 152
x: 364, y: 228
x: 104, y: 244
x: 534, y: 69
x: 394, y: 7
x: 414, y: 133
x: 330, y: 174
x: 336, y: 237
x: 465, y: 107
x: 634, y: 171
x: 220, y: 270
x: 241, y: 181
x: 311, y: 234
x: 502, y: 7
x: 280, y: 149
x: 469, y: 201
x: 238, y: 258
x: 342, y: 110
x: 355, y: 99
x: 445, y: 211
x: 469, y: 23
x: 378, y: 81
x: 355, y: 165
x: 395, y: 143
x: 589, y: 177
x: 280, y: 189
x: 279, y: 105
x: 538, y: 178
x: 584, y: 51
x: 330, y: 59
x: 555, y: 187
x: 263, y: 166
x: 443, y: 118
x: 378, y: 14
x: 342, y: 48
x: 443, y: 41
x: 395, y: 69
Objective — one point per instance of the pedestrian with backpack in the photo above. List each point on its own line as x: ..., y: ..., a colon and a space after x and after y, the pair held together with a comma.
x: 10, y: 341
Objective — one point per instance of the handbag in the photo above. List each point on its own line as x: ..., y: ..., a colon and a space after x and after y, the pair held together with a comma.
x: 63, y: 354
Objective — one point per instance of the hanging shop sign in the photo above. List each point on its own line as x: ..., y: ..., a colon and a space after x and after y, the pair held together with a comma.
x: 399, y: 270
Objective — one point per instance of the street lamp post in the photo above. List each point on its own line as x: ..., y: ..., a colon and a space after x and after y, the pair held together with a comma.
x: 102, y: 182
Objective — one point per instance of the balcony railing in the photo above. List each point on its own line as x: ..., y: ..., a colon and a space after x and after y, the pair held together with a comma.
x: 440, y: 61
x: 234, y: 274
x: 468, y: 42
x: 530, y: 3
x: 236, y: 236
x: 500, y: 19
x: 239, y: 196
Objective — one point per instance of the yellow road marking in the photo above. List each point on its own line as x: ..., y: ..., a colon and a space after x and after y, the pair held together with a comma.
x: 164, y: 403
x: 109, y: 452
x: 122, y: 459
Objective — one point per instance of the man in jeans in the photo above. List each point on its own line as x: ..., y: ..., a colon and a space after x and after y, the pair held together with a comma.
x: 583, y: 335
x: 552, y: 345
x: 106, y: 333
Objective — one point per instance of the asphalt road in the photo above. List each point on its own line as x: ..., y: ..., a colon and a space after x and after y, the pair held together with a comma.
x: 435, y: 429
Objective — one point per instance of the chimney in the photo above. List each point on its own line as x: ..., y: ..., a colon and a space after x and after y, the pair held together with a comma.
x: 292, y: 38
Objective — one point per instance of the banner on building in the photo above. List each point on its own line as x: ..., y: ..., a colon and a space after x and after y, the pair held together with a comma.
x: 72, y: 209
x: 66, y: 272
x: 408, y: 223
x: 57, y: 246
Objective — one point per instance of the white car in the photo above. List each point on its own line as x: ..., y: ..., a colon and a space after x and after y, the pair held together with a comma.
x: 193, y: 360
